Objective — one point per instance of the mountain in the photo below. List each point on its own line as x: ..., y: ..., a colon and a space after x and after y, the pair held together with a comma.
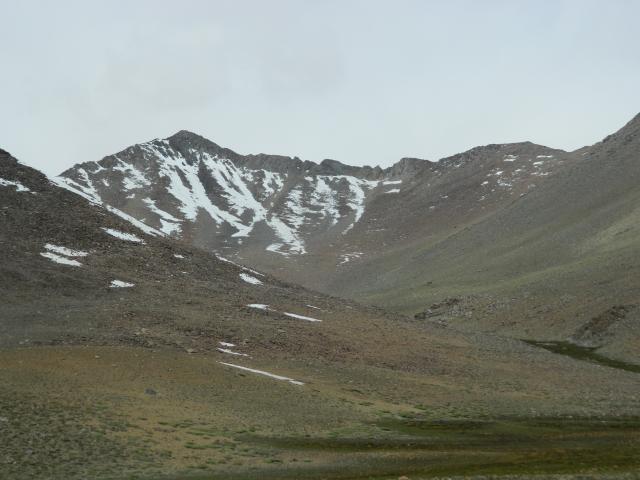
x: 546, y: 265
x: 303, y: 220
x: 530, y: 241
x: 128, y: 353
x: 189, y: 187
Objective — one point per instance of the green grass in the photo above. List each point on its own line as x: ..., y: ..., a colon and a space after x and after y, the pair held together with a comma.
x: 517, y: 446
x: 588, y: 354
x: 422, y: 448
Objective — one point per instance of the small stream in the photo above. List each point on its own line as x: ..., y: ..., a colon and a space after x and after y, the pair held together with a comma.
x: 586, y: 354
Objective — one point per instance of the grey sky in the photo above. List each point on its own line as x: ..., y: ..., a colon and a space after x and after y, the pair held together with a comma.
x: 363, y: 82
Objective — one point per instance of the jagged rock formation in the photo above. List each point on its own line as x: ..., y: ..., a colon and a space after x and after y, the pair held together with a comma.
x: 189, y: 187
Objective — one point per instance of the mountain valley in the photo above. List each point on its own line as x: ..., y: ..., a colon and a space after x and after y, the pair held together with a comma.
x: 504, y: 230
x: 178, y: 310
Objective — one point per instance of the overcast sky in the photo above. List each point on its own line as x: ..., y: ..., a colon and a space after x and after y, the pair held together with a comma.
x: 363, y: 82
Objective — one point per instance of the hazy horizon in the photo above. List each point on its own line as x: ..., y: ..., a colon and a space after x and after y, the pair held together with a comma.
x: 364, y: 83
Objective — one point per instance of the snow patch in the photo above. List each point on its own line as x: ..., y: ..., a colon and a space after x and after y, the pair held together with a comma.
x: 247, y: 269
x: 88, y: 192
x: 67, y: 252
x: 244, y: 210
x: 135, y: 222
x: 121, y: 284
x: 133, y: 178
x: 259, y: 306
x: 60, y: 259
x: 169, y: 224
x: 347, y: 257
x: 129, y: 237
x: 301, y: 317
x: 11, y: 183
x: 249, y: 279
x: 393, y: 190
x: 262, y: 306
x: 231, y: 352
x: 261, y: 372
x: 356, y: 196
x: 271, y: 182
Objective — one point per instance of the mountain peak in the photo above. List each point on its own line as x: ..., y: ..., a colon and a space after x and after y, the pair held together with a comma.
x: 185, y: 134
x: 185, y: 139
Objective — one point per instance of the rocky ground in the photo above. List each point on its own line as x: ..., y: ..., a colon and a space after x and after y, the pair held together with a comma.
x: 537, y: 243
x: 194, y: 367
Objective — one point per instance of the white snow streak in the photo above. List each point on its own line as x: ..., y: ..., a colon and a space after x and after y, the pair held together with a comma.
x: 259, y: 306
x: 247, y: 269
x: 89, y: 193
x: 185, y: 185
x: 301, y: 317
x: 133, y: 177
x: 169, y: 223
x: 121, y: 284
x: 249, y: 279
x: 356, y: 196
x: 67, y: 252
x: 60, y: 259
x: 11, y: 183
x: 230, y: 352
x: 129, y: 237
x: 262, y: 306
x: 261, y: 372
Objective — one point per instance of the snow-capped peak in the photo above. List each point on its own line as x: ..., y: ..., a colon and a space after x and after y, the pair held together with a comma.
x: 188, y: 186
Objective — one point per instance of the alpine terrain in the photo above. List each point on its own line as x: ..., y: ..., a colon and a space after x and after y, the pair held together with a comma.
x: 181, y: 311
x: 521, y: 239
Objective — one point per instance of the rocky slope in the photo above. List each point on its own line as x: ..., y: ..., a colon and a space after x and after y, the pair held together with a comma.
x: 73, y: 271
x: 125, y: 352
x: 301, y: 219
x: 188, y: 187
x: 548, y: 264
x: 531, y: 241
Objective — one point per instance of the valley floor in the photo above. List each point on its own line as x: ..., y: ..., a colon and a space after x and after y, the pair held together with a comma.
x: 137, y: 413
